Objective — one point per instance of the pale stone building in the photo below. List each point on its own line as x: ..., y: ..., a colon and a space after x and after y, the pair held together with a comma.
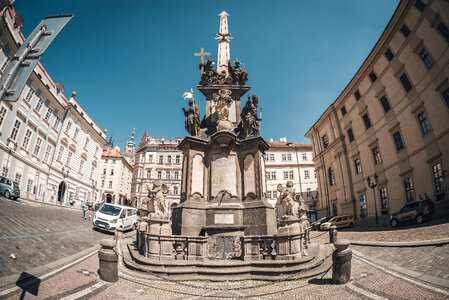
x: 289, y: 161
x: 390, y: 120
x: 157, y: 159
x: 49, y: 145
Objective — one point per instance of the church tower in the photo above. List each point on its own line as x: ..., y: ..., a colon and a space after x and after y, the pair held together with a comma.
x: 130, y: 148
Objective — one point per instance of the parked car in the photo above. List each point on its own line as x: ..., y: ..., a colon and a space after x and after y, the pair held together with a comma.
x: 339, y: 221
x: 316, y: 225
x: 417, y: 211
x: 8, y: 188
x: 111, y: 216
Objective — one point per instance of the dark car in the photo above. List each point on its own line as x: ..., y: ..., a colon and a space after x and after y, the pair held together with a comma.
x: 417, y: 211
x: 316, y: 225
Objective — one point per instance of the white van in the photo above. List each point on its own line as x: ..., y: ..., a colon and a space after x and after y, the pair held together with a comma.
x: 111, y: 216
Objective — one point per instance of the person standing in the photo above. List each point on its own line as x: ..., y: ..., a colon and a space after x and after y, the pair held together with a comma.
x: 85, y: 211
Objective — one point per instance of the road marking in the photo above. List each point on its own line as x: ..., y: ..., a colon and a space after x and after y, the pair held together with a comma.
x: 364, y: 292
x: 42, y: 234
x: 400, y: 276
x: 84, y: 292
x: 13, y: 289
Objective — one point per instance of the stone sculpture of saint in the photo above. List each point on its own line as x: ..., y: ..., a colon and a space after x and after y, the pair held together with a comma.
x: 292, y: 204
x: 237, y: 74
x: 250, y: 120
x: 157, y: 196
x: 193, y: 121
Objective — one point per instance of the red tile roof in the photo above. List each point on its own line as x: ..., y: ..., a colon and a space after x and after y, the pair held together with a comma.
x: 288, y: 144
x: 112, y: 153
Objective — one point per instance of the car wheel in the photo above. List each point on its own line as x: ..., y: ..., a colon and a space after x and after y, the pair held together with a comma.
x: 419, y: 219
x: 7, y: 194
x: 394, y: 223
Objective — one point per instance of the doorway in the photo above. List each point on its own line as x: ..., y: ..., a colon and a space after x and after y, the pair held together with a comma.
x: 61, y: 191
x: 108, y: 198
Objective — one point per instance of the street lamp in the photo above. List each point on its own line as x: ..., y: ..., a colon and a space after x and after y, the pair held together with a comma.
x: 373, y: 185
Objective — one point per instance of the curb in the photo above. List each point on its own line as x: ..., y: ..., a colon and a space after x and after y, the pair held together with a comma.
x: 402, y: 244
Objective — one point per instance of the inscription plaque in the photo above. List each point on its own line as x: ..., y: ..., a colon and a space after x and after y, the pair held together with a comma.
x: 224, y: 219
x: 223, y: 174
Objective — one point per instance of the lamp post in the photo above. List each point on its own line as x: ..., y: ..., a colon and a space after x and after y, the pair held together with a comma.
x: 372, y: 185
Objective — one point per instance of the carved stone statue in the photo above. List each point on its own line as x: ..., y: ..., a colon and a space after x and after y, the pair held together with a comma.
x: 236, y: 73
x: 209, y: 75
x: 156, y: 203
x: 221, y: 103
x: 193, y: 121
x: 250, y: 120
x: 234, y: 76
x: 292, y: 204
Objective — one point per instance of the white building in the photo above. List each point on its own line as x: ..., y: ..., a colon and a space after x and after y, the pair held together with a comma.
x: 288, y: 161
x: 157, y: 159
x: 48, y: 145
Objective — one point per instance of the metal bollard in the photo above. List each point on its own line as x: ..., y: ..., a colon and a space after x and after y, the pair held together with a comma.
x: 108, y: 261
x: 332, y: 234
x: 341, y: 258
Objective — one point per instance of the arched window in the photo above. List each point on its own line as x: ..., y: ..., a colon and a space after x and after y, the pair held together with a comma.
x: 331, y: 177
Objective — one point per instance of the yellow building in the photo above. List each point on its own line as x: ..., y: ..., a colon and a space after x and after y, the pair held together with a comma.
x: 392, y: 119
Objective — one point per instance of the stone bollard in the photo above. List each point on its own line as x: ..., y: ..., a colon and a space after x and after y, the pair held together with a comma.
x: 341, y: 258
x: 118, y: 234
x: 108, y: 261
x: 332, y: 234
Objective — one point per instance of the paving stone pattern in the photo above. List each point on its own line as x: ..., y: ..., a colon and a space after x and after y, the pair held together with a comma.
x: 61, y: 232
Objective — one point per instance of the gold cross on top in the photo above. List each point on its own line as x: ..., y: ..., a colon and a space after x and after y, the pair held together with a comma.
x: 202, y: 54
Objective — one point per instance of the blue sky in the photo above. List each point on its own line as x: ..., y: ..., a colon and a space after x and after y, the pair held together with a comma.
x: 130, y: 61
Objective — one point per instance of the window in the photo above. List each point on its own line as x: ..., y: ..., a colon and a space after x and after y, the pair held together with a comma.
x: 113, y: 161
x: 376, y: 155
x: 177, y: 175
x: 110, y: 184
x: 406, y: 83
x: 48, y: 114
x: 81, y: 166
x: 86, y: 143
x: 29, y: 95
x: 367, y: 121
x: 291, y: 175
x: 350, y: 135
x: 289, y: 156
x: 26, y: 139
x: 159, y: 174
x: 358, y: 166
x: 444, y: 31
x: 2, y: 115
x: 102, y: 183
x: 169, y: 159
x: 69, y: 158
x: 363, y: 211
x: 372, y: 76
x: 309, y: 192
x: 175, y: 190
x: 325, y: 141
x: 398, y: 140
x: 57, y: 121
x: 426, y: 58
x: 389, y: 55
x: 357, y: 95
x: 420, y: 5
x: 112, y: 172
x: 408, y: 185
x: 15, y: 130
x: 269, y: 194
x: 18, y: 178
x: 271, y: 157
x: 285, y: 174
x: 178, y: 159
x: 271, y: 175
x: 385, y: 104
x: 47, y: 153
x: 304, y: 156
x: 30, y: 185
x: 343, y: 111
x: 104, y: 171
x: 150, y: 158
x: 67, y: 129
x: 405, y: 31
x: 5, y: 171
x: 306, y: 174
x: 37, y: 147
x: 167, y: 175
x: 39, y: 104
x: 425, y: 126
x: 275, y: 194
x: 438, y: 178
x: 148, y: 173
x: 5, y: 63
x: 331, y: 176
x: 61, y: 151
x: 161, y: 159
x: 76, y: 133
x: 383, y: 201
x: 267, y: 157
x: 284, y: 157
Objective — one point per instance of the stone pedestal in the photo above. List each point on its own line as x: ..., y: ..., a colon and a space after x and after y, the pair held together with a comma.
x: 332, y: 234
x: 158, y: 245
x: 341, y: 269
x: 108, y: 260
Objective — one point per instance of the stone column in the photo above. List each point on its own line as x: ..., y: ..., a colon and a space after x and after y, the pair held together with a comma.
x: 341, y: 258
x: 332, y: 234
x: 108, y: 261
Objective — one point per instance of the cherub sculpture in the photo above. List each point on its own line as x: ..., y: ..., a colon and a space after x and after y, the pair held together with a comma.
x: 292, y: 204
x: 157, y: 195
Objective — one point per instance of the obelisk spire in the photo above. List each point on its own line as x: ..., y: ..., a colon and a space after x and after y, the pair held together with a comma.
x: 224, y: 53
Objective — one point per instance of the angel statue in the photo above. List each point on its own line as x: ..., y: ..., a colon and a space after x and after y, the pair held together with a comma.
x: 157, y: 200
x: 292, y: 204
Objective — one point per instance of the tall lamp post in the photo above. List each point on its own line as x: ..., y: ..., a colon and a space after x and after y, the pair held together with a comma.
x: 372, y: 185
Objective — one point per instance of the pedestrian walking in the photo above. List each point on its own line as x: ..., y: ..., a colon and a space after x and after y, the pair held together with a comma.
x: 85, y: 211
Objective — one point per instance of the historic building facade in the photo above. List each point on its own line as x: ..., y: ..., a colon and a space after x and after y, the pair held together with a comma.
x: 391, y: 120
x: 49, y: 145
x: 288, y: 161
x: 157, y: 159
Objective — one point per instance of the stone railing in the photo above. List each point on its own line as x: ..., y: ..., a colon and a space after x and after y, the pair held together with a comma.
x: 247, y: 248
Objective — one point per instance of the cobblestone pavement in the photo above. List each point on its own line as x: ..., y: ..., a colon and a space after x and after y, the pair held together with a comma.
x: 367, y: 282
x: 39, y: 234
